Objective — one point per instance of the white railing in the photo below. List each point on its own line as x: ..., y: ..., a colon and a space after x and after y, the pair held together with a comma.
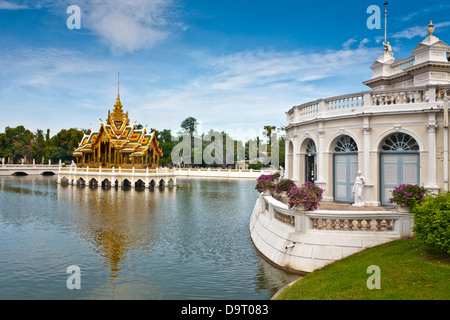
x: 351, y: 101
x: 309, y: 108
x: 400, y: 96
x: 410, y: 97
x: 19, y: 165
x: 337, y: 220
x: 403, y: 64
x: 224, y: 170
x: 119, y: 171
x: 219, y: 172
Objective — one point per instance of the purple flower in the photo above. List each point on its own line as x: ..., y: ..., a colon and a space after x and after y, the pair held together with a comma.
x: 308, y: 195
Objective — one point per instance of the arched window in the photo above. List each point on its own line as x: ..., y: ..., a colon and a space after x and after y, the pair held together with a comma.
x: 310, y: 161
x: 345, y: 144
x: 399, y: 142
x: 311, y: 147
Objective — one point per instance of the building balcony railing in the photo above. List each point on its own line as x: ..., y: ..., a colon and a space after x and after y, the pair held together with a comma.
x: 403, y: 64
x: 367, y: 101
x: 375, y: 221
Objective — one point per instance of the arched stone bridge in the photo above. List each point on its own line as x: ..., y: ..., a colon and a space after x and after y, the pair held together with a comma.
x: 28, y: 169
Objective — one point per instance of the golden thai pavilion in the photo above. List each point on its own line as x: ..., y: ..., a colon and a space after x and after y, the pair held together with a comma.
x: 118, y: 144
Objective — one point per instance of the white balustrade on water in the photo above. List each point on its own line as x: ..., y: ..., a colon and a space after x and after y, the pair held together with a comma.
x: 303, y: 221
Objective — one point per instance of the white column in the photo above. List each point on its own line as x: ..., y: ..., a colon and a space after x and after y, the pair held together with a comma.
x: 321, y: 166
x: 367, y: 168
x: 366, y: 149
x: 431, y: 127
x: 286, y: 156
x: 295, y: 161
x: 446, y: 144
x: 289, y: 158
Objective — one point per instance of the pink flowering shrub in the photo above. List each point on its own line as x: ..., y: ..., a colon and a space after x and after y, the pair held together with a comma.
x: 408, y: 195
x: 265, y: 182
x: 284, y: 185
x: 308, y: 196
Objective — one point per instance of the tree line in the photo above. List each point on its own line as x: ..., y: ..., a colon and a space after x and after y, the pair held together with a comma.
x: 20, y: 144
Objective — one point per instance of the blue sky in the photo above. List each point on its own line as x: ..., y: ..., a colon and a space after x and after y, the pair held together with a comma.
x: 233, y: 65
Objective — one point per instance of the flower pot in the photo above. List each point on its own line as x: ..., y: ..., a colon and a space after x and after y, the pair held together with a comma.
x: 402, y: 209
x: 300, y: 208
x: 266, y: 193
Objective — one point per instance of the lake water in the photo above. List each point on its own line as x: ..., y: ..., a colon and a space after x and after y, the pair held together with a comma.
x: 187, y: 242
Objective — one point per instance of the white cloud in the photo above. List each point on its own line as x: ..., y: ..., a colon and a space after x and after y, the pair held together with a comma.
x: 411, y: 32
x: 348, y: 43
x: 363, y: 42
x: 125, y: 26
x: 417, y: 31
x: 43, y: 66
x: 128, y: 25
x: 5, y: 5
x: 254, y: 88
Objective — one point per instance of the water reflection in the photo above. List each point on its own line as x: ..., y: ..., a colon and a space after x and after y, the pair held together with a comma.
x: 190, y: 241
x: 116, y: 220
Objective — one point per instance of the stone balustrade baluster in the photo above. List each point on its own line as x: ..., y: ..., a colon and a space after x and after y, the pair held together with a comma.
x: 373, y: 225
x: 337, y: 224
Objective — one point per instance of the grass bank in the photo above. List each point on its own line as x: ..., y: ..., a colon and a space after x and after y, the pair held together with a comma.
x: 407, y: 272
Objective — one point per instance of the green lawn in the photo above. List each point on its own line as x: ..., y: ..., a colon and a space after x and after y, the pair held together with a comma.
x: 407, y: 271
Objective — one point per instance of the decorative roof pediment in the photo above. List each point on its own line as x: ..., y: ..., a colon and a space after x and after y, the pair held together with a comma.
x: 424, y: 46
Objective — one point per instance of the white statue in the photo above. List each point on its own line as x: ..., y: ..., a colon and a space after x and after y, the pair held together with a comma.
x: 358, y: 188
x: 281, y: 173
x: 387, y: 48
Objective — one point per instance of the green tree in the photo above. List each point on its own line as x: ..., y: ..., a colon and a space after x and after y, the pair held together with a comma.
x: 62, y: 145
x: 38, y: 147
x: 16, y: 143
x: 190, y: 126
x: 166, y: 145
x: 268, y: 132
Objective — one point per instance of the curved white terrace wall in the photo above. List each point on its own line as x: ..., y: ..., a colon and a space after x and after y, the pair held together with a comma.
x: 304, y: 241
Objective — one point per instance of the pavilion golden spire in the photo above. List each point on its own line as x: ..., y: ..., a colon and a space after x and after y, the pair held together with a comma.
x: 117, y: 114
x: 118, y: 103
x: 118, y: 86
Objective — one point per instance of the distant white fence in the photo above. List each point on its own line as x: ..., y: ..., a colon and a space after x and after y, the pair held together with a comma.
x: 221, y: 173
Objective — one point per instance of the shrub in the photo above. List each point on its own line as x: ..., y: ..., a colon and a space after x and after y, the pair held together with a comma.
x: 265, y: 182
x: 276, y: 175
x: 432, y: 222
x: 284, y: 185
x: 408, y: 195
x: 308, y: 196
x: 314, y: 188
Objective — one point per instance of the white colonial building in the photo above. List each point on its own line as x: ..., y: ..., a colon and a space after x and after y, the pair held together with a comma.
x: 396, y: 132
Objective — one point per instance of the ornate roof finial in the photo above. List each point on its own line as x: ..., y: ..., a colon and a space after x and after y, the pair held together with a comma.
x: 118, y: 85
x: 117, y: 114
x: 386, y: 44
x: 430, y: 28
x: 385, y: 20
